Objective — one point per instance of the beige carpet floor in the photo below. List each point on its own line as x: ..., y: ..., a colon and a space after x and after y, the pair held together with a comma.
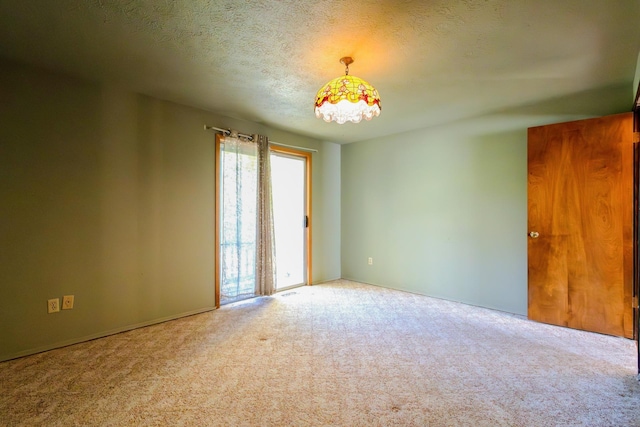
x: 338, y: 354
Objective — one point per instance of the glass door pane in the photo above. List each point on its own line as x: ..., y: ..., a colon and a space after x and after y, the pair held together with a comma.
x: 288, y: 181
x: 238, y: 195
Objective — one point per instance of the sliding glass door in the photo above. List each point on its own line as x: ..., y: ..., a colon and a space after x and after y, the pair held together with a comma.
x: 237, y: 224
x: 289, y: 184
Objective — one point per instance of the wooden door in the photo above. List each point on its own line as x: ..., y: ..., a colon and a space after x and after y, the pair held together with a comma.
x: 580, y: 204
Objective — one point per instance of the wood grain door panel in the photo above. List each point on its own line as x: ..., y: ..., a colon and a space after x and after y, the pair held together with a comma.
x: 580, y: 195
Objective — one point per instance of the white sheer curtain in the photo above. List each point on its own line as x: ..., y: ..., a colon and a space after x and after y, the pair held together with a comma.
x: 247, y: 254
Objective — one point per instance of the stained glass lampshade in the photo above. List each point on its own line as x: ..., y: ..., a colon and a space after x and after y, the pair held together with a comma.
x: 347, y: 99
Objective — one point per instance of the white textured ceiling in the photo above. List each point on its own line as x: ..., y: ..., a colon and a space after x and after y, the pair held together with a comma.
x: 432, y: 61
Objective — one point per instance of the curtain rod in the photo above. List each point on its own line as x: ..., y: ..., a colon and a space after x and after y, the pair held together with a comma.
x: 227, y: 132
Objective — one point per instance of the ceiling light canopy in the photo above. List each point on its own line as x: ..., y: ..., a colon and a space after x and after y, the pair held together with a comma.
x: 347, y: 99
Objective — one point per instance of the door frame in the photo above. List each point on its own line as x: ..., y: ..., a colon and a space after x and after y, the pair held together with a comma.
x: 216, y: 222
x: 636, y: 223
x: 307, y: 157
x: 636, y: 238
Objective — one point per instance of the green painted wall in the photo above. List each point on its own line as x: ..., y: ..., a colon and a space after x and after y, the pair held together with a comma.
x: 443, y: 211
x: 109, y: 196
x: 327, y: 215
x: 636, y: 79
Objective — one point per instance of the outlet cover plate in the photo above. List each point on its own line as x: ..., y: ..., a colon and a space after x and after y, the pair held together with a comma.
x: 67, y: 302
x: 53, y: 305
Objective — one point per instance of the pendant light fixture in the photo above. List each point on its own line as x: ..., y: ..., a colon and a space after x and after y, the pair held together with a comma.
x: 347, y: 98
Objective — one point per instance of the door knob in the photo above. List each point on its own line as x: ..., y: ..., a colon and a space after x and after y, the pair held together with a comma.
x: 534, y: 234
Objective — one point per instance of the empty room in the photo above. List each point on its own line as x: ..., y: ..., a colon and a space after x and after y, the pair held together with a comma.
x: 319, y: 213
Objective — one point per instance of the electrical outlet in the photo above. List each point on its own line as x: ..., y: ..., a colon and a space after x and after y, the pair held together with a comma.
x: 53, y: 305
x: 370, y: 261
x: 67, y: 302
